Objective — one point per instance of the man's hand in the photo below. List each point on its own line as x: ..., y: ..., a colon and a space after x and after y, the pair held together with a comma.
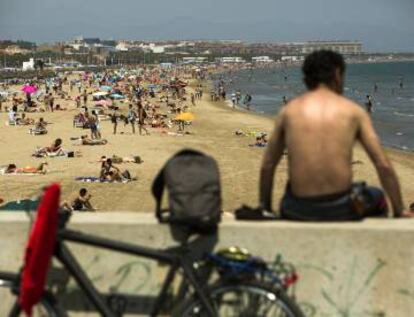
x: 407, y: 214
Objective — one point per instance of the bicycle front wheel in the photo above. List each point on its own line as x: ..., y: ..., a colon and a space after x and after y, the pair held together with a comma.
x: 244, y: 299
x: 47, y: 307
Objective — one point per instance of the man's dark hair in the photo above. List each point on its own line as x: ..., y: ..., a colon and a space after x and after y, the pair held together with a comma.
x: 83, y: 191
x: 320, y: 67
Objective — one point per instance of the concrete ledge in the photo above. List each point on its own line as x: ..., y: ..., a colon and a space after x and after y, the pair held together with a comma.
x: 346, y: 269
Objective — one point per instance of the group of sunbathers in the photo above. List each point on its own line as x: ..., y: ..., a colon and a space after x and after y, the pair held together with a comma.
x: 111, y: 173
x: 261, y: 137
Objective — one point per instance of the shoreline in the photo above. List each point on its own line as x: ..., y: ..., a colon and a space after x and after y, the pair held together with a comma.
x: 252, y: 110
x: 227, y: 103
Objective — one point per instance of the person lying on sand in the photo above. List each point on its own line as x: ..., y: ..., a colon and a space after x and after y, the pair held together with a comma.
x: 84, y: 140
x: 60, y: 108
x: 79, y: 202
x: 24, y: 121
x: 55, y: 148
x: 126, y: 159
x: 13, y: 169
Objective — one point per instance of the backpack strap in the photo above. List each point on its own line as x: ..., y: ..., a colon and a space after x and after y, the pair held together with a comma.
x: 157, y: 191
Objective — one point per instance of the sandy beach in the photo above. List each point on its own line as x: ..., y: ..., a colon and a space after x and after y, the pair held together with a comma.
x: 211, y: 132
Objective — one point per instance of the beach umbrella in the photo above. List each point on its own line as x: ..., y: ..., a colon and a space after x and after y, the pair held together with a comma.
x: 29, y: 89
x: 105, y: 88
x: 101, y: 93
x: 117, y: 96
x: 185, y: 116
x: 152, y: 86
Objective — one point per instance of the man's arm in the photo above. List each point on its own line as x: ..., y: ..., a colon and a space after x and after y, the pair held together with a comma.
x: 271, y: 158
x: 389, y: 180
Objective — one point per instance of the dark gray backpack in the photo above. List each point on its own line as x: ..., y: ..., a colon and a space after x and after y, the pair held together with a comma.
x: 193, y: 183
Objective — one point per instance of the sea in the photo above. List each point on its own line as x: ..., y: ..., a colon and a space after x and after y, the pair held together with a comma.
x: 393, y: 106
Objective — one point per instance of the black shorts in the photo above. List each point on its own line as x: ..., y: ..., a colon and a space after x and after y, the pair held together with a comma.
x: 355, y: 204
x: 77, y: 205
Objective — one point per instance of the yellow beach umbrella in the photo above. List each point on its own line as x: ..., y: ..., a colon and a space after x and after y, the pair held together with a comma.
x: 185, y: 116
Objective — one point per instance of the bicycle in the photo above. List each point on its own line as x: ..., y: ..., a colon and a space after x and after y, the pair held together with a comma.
x: 217, y: 284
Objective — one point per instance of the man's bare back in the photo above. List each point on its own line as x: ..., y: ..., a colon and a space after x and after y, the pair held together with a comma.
x: 319, y: 131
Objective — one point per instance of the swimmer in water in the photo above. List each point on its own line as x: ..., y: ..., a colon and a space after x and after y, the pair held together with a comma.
x: 368, y: 104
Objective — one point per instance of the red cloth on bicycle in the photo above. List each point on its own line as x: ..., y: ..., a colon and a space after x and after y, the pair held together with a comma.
x: 39, y: 249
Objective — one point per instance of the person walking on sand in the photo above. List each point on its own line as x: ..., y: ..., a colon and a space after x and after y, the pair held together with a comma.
x: 132, y: 117
x: 142, y: 115
x: 233, y: 100
x: 51, y: 101
x: 114, y: 120
x: 319, y: 130
x: 97, y: 124
x: 85, y: 97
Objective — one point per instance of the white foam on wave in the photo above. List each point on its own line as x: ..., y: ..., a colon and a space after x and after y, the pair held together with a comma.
x: 403, y: 114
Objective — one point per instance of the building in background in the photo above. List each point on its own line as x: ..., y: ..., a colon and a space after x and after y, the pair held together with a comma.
x: 262, y: 59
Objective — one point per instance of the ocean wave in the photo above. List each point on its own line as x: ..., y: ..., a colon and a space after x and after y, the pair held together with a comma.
x: 403, y: 114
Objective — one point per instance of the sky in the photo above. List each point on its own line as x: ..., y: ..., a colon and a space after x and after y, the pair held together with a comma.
x: 382, y: 25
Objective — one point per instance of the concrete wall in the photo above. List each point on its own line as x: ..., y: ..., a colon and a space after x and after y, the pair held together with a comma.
x: 350, y: 269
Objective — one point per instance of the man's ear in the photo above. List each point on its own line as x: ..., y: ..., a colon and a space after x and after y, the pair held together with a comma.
x: 339, y: 78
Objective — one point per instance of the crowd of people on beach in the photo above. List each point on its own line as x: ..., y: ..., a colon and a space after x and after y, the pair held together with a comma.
x: 148, y: 99
x: 144, y: 98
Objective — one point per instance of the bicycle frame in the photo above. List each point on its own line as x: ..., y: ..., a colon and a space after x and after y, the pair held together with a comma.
x: 174, y: 260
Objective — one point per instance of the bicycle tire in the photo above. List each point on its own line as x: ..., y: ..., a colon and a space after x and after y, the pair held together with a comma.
x: 276, y: 297
x: 47, y: 307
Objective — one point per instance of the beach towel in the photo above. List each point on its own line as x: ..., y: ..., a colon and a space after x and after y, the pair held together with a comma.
x: 257, y: 145
x: 93, y: 179
x: 21, y: 205
x: 14, y: 174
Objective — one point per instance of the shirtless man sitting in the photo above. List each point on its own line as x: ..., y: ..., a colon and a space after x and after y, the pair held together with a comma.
x: 40, y: 127
x: 319, y: 130
x: 54, y: 148
x: 79, y: 202
x: 109, y: 172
